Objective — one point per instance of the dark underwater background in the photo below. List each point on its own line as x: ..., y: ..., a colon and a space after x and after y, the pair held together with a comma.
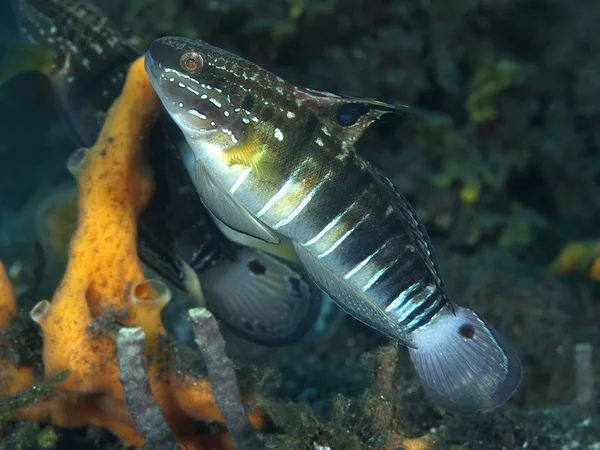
x: 499, y: 155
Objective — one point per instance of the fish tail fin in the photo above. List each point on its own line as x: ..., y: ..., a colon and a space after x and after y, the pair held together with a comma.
x: 465, y: 366
x: 17, y: 58
x: 261, y: 299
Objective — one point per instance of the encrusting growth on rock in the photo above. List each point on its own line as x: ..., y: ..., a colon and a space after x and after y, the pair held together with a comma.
x: 104, y: 288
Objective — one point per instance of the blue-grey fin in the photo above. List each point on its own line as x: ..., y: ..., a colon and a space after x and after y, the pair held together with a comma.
x: 415, y: 229
x: 346, y: 117
x: 261, y: 299
x: 227, y: 209
x: 464, y: 365
x: 350, y: 298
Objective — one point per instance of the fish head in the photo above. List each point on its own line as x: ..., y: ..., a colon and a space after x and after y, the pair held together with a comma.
x: 199, y: 84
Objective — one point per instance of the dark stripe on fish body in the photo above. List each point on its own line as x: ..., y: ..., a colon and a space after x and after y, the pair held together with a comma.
x: 403, y: 273
x: 404, y: 268
x: 427, y: 317
x: 341, y: 196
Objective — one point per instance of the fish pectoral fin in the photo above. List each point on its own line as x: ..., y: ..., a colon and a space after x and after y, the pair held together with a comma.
x: 284, y: 250
x: 347, y: 117
x: 227, y: 209
x: 261, y: 299
x: 350, y: 298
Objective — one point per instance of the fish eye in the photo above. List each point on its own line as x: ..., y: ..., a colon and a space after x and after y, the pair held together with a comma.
x: 191, y: 62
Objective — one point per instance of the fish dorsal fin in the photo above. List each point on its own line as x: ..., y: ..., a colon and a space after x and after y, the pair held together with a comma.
x: 227, y: 209
x: 415, y: 229
x: 350, y: 298
x: 346, y: 117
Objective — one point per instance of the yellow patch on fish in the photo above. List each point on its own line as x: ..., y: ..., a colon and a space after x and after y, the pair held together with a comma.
x: 251, y: 153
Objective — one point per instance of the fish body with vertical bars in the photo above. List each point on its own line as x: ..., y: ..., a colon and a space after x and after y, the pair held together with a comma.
x: 269, y: 158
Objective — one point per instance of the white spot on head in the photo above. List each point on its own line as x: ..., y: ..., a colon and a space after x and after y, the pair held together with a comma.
x: 319, y: 142
x: 226, y: 113
x: 278, y: 134
x: 196, y: 113
x: 215, y: 102
x: 230, y: 134
x: 290, y: 115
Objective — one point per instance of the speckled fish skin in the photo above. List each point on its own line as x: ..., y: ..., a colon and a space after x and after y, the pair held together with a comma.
x: 257, y: 296
x: 91, y: 58
x: 268, y: 156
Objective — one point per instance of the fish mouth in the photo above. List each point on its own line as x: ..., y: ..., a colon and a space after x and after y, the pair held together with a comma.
x: 152, y: 69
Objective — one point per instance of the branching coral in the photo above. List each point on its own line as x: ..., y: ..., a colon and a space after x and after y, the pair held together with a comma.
x: 104, y: 288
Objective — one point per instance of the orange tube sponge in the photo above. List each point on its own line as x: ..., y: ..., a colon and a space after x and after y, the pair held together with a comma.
x: 104, y: 287
x: 12, y: 378
x: 8, y: 303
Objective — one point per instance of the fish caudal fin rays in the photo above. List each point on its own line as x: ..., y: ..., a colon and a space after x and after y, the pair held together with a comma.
x: 17, y: 58
x: 350, y: 298
x: 346, y: 117
x: 465, y: 366
x: 227, y: 209
x: 261, y: 299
